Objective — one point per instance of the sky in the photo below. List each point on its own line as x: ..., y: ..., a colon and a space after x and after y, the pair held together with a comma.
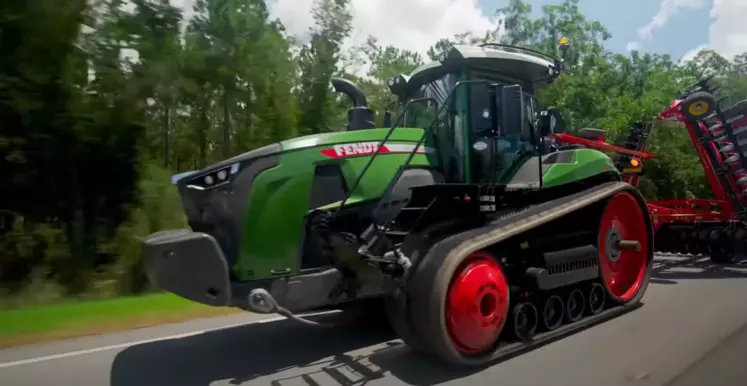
x: 678, y: 27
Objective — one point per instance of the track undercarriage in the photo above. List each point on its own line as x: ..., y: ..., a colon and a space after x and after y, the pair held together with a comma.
x: 504, y: 279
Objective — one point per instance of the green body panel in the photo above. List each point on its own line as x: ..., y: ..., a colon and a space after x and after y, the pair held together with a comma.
x: 274, y: 224
x: 584, y: 163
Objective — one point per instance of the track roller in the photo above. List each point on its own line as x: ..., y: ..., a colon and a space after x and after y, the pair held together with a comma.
x: 553, y: 309
x: 595, y: 300
x: 575, y: 306
x: 524, y: 321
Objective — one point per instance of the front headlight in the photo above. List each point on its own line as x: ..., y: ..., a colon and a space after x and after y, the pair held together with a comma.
x: 214, y: 178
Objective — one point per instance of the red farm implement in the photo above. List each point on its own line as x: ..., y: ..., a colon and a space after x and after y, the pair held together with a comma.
x: 716, y: 227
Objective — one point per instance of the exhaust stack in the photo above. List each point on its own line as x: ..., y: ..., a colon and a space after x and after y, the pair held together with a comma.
x: 360, y: 117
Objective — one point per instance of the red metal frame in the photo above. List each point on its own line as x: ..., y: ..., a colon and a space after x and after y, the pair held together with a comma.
x: 719, y: 209
x: 599, y: 144
x: 673, y: 114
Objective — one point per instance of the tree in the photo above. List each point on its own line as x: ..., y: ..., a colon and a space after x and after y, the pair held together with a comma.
x: 318, y: 62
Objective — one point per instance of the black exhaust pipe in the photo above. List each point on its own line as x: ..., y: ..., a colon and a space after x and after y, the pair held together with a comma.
x: 360, y: 117
x: 351, y: 90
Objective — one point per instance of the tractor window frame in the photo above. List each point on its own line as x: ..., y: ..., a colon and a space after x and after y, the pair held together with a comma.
x: 449, y: 129
x: 510, y: 145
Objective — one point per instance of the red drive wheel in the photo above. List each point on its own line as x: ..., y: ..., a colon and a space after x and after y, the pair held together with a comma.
x: 624, y: 248
x: 477, y: 304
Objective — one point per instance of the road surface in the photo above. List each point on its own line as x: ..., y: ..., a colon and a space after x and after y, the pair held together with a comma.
x: 691, y: 330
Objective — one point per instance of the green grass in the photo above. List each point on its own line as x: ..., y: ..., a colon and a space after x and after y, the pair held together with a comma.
x: 36, y: 324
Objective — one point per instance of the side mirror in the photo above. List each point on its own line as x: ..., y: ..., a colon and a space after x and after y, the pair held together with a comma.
x: 546, y: 123
x: 513, y: 112
x: 550, y: 122
x: 387, y: 119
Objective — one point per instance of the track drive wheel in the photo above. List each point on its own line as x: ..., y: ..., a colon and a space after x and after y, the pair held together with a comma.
x: 698, y: 105
x: 625, y: 248
x: 459, y: 306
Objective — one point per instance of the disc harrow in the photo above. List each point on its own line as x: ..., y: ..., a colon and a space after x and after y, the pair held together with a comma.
x: 710, y: 227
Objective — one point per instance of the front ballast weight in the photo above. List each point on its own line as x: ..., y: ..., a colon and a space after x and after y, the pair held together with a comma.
x: 472, y: 300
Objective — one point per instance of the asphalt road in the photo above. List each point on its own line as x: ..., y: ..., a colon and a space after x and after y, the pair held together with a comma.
x: 691, y: 330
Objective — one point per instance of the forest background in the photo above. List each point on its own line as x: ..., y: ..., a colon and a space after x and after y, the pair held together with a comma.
x: 102, y: 101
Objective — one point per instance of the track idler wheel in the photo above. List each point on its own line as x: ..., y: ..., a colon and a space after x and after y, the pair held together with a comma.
x: 524, y: 321
x: 596, y: 299
x: 458, y: 306
x: 553, y: 310
x: 575, y: 306
x: 625, y: 247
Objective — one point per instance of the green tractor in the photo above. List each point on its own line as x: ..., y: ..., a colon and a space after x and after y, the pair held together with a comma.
x: 477, y: 235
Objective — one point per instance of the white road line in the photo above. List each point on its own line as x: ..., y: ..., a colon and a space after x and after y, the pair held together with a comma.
x: 128, y: 344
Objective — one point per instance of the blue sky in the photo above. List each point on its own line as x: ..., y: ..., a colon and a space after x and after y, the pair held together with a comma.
x: 677, y: 27
x: 685, y: 30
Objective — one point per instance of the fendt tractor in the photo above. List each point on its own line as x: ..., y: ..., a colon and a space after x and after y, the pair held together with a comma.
x: 479, y: 239
x: 716, y: 227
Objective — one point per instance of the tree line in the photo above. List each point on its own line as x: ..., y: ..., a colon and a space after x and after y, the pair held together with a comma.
x: 102, y: 100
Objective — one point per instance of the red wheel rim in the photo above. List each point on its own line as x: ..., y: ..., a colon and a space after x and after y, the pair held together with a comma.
x: 623, y: 272
x: 477, y: 304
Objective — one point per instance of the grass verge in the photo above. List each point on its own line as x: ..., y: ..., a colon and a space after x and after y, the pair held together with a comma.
x: 67, y: 320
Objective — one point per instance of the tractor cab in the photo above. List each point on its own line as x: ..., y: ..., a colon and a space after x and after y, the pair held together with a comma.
x: 485, y: 116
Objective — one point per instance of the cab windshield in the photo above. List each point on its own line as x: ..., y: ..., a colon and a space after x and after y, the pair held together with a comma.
x: 466, y: 131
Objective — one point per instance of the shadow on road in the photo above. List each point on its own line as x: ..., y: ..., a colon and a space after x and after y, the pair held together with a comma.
x: 281, y: 353
x: 668, y: 269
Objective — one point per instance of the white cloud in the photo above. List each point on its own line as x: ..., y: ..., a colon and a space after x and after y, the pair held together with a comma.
x: 667, y: 9
x: 690, y: 55
x: 409, y: 24
x: 727, y: 34
x: 633, y: 46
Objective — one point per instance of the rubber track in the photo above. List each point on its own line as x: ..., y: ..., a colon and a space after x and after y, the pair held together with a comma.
x: 448, y: 251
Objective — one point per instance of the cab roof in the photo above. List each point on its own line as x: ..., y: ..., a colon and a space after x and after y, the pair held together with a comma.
x: 492, y: 61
